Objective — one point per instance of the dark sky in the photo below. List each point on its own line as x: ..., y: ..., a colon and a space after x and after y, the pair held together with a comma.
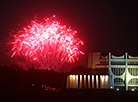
x: 103, y: 25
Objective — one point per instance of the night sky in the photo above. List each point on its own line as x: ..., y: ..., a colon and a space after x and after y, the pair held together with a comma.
x: 104, y: 26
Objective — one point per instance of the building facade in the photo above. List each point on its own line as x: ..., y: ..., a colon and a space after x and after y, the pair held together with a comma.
x: 122, y: 72
x: 88, y: 81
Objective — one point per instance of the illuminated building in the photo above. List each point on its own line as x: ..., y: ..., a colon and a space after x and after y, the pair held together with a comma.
x: 88, y: 81
x: 122, y: 72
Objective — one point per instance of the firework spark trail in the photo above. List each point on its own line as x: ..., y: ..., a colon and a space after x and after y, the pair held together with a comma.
x: 47, y: 44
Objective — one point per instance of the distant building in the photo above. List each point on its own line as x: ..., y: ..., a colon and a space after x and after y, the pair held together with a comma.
x: 97, y: 61
x: 122, y: 72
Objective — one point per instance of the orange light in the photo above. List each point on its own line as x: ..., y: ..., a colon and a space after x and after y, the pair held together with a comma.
x: 106, y: 77
x: 73, y: 76
x: 84, y: 76
x: 70, y: 75
x: 102, y: 78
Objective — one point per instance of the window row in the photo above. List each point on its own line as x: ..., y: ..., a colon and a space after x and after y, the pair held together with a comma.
x: 133, y: 71
x: 133, y: 81
x: 118, y: 71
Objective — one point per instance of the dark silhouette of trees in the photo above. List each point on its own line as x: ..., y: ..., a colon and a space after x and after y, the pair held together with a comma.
x: 78, y: 69
x: 81, y: 70
x: 16, y: 78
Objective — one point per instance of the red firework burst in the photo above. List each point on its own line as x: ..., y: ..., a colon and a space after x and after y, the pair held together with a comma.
x: 46, y: 44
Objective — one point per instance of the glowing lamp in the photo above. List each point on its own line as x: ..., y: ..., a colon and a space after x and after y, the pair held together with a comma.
x: 70, y: 75
x: 73, y: 76
x: 32, y: 84
x: 133, y: 89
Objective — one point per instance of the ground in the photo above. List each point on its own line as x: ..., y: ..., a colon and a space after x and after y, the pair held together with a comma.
x: 65, y: 95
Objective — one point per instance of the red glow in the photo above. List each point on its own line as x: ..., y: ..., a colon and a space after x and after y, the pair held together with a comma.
x: 46, y: 44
